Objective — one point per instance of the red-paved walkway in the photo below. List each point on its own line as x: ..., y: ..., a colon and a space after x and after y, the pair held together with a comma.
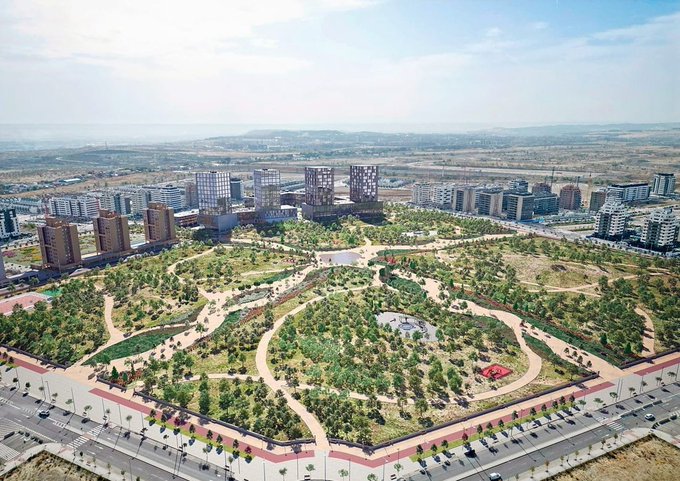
x: 202, y: 431
x: 656, y: 367
x: 25, y: 301
x: 29, y: 366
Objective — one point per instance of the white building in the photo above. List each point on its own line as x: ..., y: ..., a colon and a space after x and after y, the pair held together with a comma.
x: 629, y: 192
x: 610, y: 220
x: 661, y: 229
x: 83, y: 206
x: 664, y: 184
x: 442, y: 195
x: 463, y: 199
x: 169, y: 195
x: 422, y: 193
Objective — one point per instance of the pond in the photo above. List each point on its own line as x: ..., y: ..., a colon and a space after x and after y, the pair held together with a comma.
x: 408, y: 325
x: 345, y: 258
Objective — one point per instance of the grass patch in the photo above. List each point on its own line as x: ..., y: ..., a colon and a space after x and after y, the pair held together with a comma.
x: 135, y: 345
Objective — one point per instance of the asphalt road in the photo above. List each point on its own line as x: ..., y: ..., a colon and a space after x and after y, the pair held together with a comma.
x: 111, y: 445
x: 602, y: 424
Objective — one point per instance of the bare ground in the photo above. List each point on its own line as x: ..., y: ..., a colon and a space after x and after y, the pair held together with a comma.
x: 47, y: 467
x: 649, y: 459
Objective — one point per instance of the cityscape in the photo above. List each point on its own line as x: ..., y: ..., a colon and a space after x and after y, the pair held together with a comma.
x: 468, y: 292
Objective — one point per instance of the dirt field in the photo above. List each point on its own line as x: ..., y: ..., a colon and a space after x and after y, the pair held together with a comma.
x: 649, y: 459
x: 47, y: 467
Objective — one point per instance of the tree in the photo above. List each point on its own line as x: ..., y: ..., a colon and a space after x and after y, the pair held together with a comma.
x: 344, y: 473
x: 204, y: 402
x: 283, y: 472
x: 372, y: 477
x: 309, y: 468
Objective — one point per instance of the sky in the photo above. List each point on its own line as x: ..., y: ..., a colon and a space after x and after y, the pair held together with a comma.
x: 339, y: 62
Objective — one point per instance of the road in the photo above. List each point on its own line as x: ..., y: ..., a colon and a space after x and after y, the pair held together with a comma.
x: 523, y: 449
x: 111, y: 445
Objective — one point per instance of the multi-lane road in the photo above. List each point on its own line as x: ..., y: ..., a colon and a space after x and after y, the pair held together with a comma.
x: 113, y: 445
x: 561, y: 436
x: 546, y: 440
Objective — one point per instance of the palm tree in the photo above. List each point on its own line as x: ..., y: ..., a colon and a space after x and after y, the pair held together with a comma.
x: 309, y: 468
x: 283, y: 472
x: 344, y: 473
x: 372, y: 477
x: 128, y: 418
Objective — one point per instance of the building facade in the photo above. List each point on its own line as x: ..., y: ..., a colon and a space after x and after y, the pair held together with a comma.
x: 570, y: 197
x: 541, y: 188
x: 236, y: 188
x: 267, y: 189
x: 319, y: 186
x: 421, y: 194
x: 111, y: 233
x: 9, y: 224
x: 59, y: 244
x: 363, y: 183
x: 518, y: 185
x: 83, y: 206
x: 597, y: 200
x: 159, y: 223
x: 611, y: 220
x: 442, y: 195
x: 546, y: 203
x: 520, y: 206
x: 664, y: 184
x: 661, y: 230
x: 214, y: 193
x: 190, y: 195
x: 490, y: 203
x: 463, y: 199
x: 629, y: 192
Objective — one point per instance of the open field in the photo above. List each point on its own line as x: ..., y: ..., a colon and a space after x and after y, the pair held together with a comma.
x: 649, y: 459
x: 47, y: 467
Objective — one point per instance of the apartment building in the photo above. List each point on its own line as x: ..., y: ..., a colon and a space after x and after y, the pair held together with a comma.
x: 59, y: 245
x: 111, y: 232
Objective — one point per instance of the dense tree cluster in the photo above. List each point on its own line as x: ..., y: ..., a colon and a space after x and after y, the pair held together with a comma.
x: 342, y: 417
x: 403, y: 221
x: 610, y: 319
x: 338, y: 342
x: 143, y: 289
x: 248, y: 404
x: 311, y: 235
x: 223, y: 267
x: 71, y: 326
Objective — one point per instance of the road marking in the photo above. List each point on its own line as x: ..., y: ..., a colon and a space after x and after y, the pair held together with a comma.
x: 8, y: 453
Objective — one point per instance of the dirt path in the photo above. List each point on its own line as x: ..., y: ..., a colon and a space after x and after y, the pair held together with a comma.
x: 265, y: 373
x: 433, y: 289
x: 605, y: 369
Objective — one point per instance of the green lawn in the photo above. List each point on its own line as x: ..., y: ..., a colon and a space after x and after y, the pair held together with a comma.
x: 135, y: 345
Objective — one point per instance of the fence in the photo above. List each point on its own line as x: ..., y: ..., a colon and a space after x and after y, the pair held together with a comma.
x: 244, y: 432
x: 35, y: 356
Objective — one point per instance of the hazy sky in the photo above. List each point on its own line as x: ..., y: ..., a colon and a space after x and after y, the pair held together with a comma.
x: 339, y: 61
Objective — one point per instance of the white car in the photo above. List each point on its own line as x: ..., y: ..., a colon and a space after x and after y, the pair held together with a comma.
x: 495, y: 477
x: 649, y: 417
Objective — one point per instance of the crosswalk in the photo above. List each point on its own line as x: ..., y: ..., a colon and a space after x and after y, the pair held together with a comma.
x: 8, y: 453
x: 88, y: 436
x: 615, y: 425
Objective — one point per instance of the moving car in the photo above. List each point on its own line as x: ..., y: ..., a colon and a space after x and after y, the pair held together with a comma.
x: 495, y: 477
x: 649, y: 417
x: 44, y: 413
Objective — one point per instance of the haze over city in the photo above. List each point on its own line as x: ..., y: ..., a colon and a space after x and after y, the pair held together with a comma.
x: 398, y: 65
